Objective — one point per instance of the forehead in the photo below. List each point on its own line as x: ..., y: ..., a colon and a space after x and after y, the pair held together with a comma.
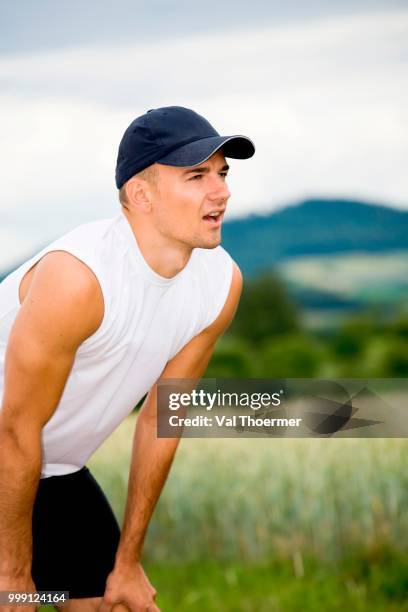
x: 215, y: 162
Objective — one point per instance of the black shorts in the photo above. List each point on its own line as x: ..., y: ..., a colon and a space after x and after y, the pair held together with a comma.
x: 75, y: 535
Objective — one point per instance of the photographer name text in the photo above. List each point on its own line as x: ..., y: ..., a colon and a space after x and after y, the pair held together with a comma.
x: 231, y: 421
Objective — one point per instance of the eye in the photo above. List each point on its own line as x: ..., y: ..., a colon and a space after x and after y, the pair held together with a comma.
x: 224, y: 173
x: 196, y: 177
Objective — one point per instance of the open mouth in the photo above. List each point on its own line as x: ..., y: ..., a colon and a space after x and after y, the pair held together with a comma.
x: 214, y: 218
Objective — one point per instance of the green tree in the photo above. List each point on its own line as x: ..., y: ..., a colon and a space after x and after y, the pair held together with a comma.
x: 265, y: 310
x: 291, y: 356
x: 396, y: 359
x: 232, y: 359
x: 353, y: 335
x: 399, y: 327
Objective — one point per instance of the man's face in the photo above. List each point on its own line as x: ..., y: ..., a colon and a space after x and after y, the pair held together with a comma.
x: 188, y: 204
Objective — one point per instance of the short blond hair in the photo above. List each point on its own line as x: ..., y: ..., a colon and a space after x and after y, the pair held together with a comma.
x: 149, y: 174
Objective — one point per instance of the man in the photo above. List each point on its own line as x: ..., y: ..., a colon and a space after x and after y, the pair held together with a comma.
x: 90, y: 324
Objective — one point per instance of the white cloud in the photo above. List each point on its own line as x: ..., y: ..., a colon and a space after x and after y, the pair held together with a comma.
x: 325, y: 103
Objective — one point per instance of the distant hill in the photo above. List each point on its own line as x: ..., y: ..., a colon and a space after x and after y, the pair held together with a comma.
x: 314, y: 227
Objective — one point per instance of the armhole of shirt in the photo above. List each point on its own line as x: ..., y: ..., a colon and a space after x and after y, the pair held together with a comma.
x: 221, y: 291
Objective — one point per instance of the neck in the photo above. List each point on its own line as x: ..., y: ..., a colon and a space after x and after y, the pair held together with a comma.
x: 164, y: 256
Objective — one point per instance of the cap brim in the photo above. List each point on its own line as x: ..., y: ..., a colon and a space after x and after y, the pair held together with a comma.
x: 197, y: 152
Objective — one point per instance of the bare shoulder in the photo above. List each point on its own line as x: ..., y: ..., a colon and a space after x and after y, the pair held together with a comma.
x: 61, y: 306
x: 64, y: 289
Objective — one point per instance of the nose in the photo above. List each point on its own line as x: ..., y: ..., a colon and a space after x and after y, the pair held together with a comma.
x: 218, y: 189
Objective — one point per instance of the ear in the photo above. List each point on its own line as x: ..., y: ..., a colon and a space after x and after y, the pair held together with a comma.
x: 138, y: 194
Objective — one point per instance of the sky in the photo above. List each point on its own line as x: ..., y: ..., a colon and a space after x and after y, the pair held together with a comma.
x: 320, y: 87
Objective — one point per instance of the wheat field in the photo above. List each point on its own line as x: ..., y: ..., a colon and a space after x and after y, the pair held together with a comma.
x: 254, y: 499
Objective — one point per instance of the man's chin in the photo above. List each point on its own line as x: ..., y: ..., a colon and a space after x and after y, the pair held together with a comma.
x: 209, y: 242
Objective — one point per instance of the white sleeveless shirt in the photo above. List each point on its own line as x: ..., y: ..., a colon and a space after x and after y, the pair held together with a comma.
x: 147, y: 320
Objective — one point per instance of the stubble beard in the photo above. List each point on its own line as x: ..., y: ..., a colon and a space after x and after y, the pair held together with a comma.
x: 195, y: 241
x: 208, y: 243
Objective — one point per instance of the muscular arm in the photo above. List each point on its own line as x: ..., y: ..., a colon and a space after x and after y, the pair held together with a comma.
x: 152, y: 458
x: 62, y: 305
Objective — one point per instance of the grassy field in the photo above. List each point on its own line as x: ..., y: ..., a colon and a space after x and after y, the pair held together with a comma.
x: 261, y: 525
x: 283, y: 525
x: 360, y: 585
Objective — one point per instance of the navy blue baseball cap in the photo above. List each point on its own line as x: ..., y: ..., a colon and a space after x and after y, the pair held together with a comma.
x: 173, y: 136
